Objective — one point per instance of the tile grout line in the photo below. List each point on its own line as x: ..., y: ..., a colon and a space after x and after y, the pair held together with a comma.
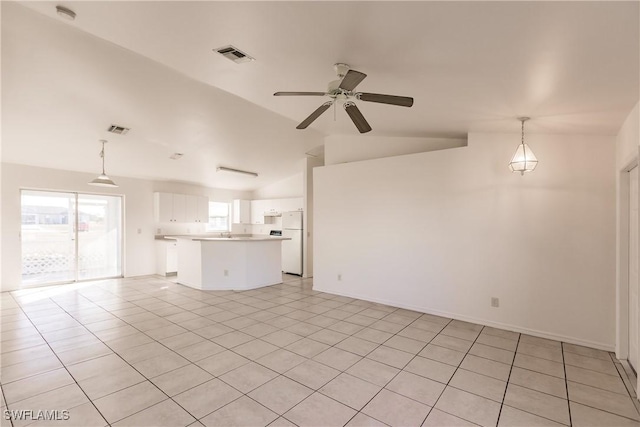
x: 378, y: 345
x: 303, y: 321
x: 334, y: 318
x: 6, y: 406
x: 363, y: 357
x: 504, y: 395
x: 143, y: 332
x: 308, y: 359
x: 453, y: 374
x: 302, y: 297
x: 399, y: 369
x: 127, y: 362
x: 566, y: 382
x: 65, y: 368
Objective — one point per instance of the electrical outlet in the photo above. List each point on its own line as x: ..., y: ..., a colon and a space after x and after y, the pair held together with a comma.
x: 159, y: 231
x: 339, y: 277
x: 226, y: 273
x: 139, y: 230
x: 495, y: 302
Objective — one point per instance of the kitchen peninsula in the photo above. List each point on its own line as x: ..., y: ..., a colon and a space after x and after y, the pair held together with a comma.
x: 232, y: 263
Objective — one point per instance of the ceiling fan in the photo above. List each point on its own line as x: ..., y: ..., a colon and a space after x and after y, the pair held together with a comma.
x: 343, y: 90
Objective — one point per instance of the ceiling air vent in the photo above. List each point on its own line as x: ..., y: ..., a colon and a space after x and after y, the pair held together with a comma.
x: 120, y: 130
x: 234, y: 54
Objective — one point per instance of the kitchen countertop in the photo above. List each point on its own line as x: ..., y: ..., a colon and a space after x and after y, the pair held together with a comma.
x: 223, y: 239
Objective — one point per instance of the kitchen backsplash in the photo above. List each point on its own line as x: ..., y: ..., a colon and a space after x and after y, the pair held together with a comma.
x: 200, y: 228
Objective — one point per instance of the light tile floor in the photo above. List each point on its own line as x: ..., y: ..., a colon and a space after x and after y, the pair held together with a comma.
x: 149, y: 352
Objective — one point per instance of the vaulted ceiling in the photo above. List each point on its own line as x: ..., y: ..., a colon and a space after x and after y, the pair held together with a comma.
x: 471, y: 66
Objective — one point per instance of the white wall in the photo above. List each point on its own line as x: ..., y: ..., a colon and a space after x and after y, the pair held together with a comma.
x: 352, y: 148
x: 286, y: 188
x: 138, y: 196
x: 442, y: 232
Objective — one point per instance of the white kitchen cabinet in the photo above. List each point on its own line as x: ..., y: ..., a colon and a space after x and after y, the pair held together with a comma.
x: 166, y: 257
x: 257, y: 211
x: 203, y: 209
x: 290, y: 205
x: 196, y: 209
x: 169, y: 207
x: 273, y: 208
x: 179, y: 208
x: 242, y: 212
x: 191, y: 208
x: 163, y: 207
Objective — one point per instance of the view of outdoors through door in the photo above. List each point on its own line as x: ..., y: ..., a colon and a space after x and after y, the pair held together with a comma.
x: 70, y: 236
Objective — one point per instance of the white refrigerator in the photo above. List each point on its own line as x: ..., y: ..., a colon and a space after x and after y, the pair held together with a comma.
x: 292, y: 249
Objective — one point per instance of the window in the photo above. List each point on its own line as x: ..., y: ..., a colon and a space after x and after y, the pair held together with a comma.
x: 218, y: 217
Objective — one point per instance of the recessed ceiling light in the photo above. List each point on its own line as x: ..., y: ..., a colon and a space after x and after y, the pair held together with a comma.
x: 66, y: 13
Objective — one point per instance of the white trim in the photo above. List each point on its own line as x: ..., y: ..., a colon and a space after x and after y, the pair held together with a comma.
x: 456, y: 316
x: 622, y: 261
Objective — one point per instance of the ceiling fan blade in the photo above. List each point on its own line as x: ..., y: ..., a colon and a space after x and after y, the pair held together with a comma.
x: 357, y: 117
x: 403, y: 101
x: 351, y: 80
x: 321, y: 109
x: 299, y: 94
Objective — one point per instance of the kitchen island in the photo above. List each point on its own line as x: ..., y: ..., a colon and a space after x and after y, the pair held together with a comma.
x: 229, y: 263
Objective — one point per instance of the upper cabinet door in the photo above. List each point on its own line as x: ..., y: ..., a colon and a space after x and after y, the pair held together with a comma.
x: 293, y: 204
x: 191, y: 208
x: 179, y: 208
x: 203, y: 209
x: 241, y: 211
x: 163, y: 207
x: 257, y: 211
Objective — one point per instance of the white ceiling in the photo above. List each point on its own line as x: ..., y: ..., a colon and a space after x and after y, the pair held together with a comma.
x: 471, y: 66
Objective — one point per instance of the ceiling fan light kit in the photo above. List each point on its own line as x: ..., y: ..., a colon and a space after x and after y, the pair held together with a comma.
x: 342, y: 90
x: 103, y: 180
x: 523, y: 160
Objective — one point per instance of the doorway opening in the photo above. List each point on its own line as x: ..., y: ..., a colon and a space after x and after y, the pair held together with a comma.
x: 69, y: 237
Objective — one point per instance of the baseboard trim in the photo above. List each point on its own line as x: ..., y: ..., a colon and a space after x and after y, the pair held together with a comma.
x: 457, y: 316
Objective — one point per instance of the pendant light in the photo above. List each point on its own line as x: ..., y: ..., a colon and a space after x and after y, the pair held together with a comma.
x: 103, y: 180
x: 523, y: 160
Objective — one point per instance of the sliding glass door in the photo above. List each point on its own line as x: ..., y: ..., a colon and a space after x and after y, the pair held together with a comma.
x: 70, y: 236
x: 48, y: 237
x: 99, y: 231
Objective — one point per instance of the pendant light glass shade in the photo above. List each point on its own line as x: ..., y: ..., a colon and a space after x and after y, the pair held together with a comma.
x: 103, y: 180
x: 523, y: 160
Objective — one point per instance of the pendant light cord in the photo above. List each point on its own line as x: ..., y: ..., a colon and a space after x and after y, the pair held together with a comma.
x: 524, y: 147
x: 102, y: 155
